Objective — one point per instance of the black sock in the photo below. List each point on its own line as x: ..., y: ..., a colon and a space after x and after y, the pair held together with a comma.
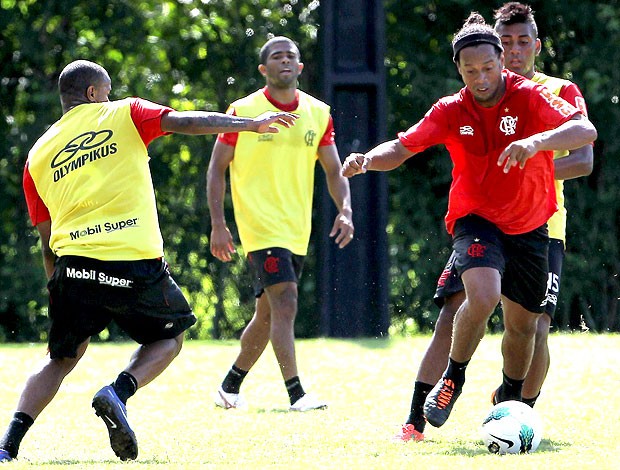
x: 18, y: 427
x: 531, y: 401
x: 125, y: 386
x: 456, y: 372
x: 416, y: 415
x: 234, y: 378
x: 511, y: 388
x: 294, y: 389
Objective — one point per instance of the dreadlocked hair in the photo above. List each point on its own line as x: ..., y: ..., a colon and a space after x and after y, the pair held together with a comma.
x: 475, y: 31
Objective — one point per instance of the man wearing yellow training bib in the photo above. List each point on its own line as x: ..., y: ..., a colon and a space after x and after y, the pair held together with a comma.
x: 272, y: 181
x: 89, y: 194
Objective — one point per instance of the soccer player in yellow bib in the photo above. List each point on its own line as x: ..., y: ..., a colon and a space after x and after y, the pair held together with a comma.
x: 89, y: 193
x: 272, y: 180
x: 519, y: 34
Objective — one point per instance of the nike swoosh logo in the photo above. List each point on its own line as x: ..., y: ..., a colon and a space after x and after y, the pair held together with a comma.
x: 113, y: 424
x: 227, y: 404
x: 505, y: 441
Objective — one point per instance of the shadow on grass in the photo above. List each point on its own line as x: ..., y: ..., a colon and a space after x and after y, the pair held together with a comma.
x: 548, y: 445
x: 272, y: 410
x: 286, y: 410
x: 368, y: 343
x: 474, y: 449
x: 97, y: 463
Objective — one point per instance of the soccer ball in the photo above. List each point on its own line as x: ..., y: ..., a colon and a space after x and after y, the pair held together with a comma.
x: 511, y: 427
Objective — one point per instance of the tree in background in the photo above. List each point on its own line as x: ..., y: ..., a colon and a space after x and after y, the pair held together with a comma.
x: 186, y: 54
x: 198, y: 54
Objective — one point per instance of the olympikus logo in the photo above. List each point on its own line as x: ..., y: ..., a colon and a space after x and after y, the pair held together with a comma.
x: 91, y: 143
x: 103, y: 278
x: 108, y: 227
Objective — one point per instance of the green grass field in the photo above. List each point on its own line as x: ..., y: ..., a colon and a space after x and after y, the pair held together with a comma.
x: 368, y: 384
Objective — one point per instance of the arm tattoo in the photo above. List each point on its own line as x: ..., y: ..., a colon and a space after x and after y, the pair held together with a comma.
x: 226, y: 120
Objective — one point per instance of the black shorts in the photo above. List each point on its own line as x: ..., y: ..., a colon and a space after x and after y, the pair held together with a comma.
x: 450, y: 283
x: 274, y: 265
x: 87, y: 294
x: 556, y: 260
x: 522, y: 260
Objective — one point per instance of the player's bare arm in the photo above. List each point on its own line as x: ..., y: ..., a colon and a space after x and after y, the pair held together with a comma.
x: 221, y: 241
x: 202, y: 122
x: 383, y: 157
x: 578, y: 162
x: 575, y: 133
x: 45, y: 231
x: 338, y: 187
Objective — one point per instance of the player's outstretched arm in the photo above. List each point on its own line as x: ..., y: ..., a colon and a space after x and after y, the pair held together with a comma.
x: 574, y: 133
x: 383, y: 157
x: 202, y: 122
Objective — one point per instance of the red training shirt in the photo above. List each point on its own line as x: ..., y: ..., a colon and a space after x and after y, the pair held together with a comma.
x: 519, y: 201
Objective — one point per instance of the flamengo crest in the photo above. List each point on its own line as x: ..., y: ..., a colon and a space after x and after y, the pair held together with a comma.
x: 508, y: 125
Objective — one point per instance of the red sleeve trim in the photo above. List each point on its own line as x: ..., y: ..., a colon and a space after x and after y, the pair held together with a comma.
x: 572, y: 94
x: 36, y: 207
x: 329, y: 137
x: 229, y: 138
x: 146, y: 116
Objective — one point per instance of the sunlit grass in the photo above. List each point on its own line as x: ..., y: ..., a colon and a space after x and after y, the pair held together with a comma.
x: 368, y: 384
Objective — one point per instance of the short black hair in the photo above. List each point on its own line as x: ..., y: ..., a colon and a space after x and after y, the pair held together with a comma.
x: 77, y: 76
x: 515, y: 13
x: 475, y: 31
x: 264, y: 51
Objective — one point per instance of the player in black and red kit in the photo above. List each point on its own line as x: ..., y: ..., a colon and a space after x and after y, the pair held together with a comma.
x: 500, y: 131
x: 519, y: 34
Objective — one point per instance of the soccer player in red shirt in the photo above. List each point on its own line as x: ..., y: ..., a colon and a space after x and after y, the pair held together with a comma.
x: 500, y: 131
x: 517, y: 28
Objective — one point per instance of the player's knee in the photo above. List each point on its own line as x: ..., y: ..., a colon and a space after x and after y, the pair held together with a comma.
x: 524, y: 325
x: 284, y: 303
x: 483, y: 303
x: 448, y: 311
x: 178, y: 344
x: 62, y: 366
x: 542, y: 330
x: 170, y: 348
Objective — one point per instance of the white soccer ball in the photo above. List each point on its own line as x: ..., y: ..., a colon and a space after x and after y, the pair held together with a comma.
x: 512, y: 427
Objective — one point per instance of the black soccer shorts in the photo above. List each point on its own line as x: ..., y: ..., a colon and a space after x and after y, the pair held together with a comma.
x: 522, y: 260
x: 86, y: 294
x: 274, y: 265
